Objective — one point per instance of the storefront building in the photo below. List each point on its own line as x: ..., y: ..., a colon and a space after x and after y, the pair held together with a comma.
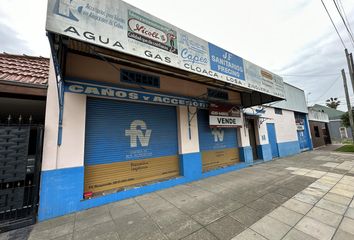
x: 282, y: 127
x: 136, y: 105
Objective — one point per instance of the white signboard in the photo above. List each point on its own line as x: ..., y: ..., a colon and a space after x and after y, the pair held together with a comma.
x: 221, y: 121
x: 119, y: 26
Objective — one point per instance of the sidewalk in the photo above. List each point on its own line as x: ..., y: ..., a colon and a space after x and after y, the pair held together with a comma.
x: 307, y: 196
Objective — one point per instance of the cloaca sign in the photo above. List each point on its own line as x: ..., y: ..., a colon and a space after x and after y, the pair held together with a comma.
x: 118, y: 26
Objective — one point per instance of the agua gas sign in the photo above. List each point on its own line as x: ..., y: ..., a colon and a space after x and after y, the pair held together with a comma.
x: 224, y: 116
x: 121, y: 27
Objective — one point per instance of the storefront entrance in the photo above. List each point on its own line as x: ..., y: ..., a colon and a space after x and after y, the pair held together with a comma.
x: 218, y: 146
x: 128, y: 144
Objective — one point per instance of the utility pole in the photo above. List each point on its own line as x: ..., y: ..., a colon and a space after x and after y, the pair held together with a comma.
x: 350, y: 66
x: 350, y: 112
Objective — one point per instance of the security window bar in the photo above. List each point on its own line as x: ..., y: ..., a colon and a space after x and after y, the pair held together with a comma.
x: 213, y: 93
x: 278, y: 111
x: 139, y: 78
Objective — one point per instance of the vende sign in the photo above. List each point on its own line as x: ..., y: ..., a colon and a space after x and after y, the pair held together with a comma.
x: 224, y: 116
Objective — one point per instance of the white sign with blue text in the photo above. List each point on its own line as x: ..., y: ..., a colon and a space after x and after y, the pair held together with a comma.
x: 121, y: 27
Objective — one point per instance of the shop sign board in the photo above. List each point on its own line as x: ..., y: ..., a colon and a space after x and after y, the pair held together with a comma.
x: 300, y: 124
x: 121, y: 27
x: 224, y: 116
x: 124, y: 94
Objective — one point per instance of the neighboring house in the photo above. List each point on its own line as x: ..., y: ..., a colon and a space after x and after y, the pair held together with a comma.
x: 319, y: 128
x: 337, y: 131
x: 23, y: 90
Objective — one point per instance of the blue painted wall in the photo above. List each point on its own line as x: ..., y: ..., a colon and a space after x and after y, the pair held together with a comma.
x: 246, y: 154
x: 288, y: 148
x: 264, y: 152
x: 61, y: 190
x: 191, y: 165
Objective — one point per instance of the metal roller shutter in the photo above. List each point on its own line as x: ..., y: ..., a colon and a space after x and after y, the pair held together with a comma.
x: 128, y: 143
x: 218, y: 146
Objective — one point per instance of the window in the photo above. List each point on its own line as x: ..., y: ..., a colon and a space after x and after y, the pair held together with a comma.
x: 213, y: 93
x: 139, y: 78
x: 317, y: 131
x: 343, y: 132
x: 278, y: 111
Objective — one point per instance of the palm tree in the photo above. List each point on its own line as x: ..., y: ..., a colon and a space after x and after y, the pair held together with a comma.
x: 332, y: 103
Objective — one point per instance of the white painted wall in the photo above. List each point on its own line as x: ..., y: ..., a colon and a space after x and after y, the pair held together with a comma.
x: 71, y: 152
x: 285, y: 126
x: 186, y: 144
x: 49, y: 159
x: 242, y: 134
x: 295, y: 99
x: 263, y: 134
x: 316, y: 115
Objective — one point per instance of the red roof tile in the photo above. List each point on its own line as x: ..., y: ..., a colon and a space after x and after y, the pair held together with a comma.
x: 24, y: 69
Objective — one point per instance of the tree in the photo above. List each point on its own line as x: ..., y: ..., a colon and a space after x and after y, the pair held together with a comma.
x: 332, y: 103
x: 345, y: 119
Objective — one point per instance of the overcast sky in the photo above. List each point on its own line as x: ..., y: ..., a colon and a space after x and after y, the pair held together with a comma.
x: 294, y: 39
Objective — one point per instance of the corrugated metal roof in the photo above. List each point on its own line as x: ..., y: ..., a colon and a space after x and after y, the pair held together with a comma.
x: 332, y: 113
x: 24, y: 69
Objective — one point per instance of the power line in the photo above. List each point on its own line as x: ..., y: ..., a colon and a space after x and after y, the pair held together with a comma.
x: 345, y: 16
x: 345, y: 24
x: 333, y: 83
x: 333, y: 24
x: 308, y: 75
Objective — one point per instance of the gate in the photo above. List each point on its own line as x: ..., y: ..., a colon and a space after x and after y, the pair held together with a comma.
x: 20, y: 163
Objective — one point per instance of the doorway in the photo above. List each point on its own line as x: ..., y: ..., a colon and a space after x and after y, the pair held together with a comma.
x: 272, y: 139
x: 252, y: 136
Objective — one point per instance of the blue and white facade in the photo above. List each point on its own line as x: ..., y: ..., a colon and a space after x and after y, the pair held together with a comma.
x: 283, y: 127
x: 132, y: 117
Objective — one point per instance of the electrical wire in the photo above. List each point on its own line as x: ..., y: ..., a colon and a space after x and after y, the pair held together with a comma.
x: 333, y: 24
x: 345, y: 24
x: 308, y: 75
x: 330, y: 87
x: 345, y: 16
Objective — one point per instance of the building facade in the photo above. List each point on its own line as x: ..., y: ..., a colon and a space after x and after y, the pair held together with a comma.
x: 136, y: 105
x: 283, y: 127
x: 338, y: 133
x: 23, y: 90
x: 319, y: 128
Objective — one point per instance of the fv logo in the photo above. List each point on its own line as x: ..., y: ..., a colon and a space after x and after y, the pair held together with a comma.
x: 136, y: 133
x: 218, y: 135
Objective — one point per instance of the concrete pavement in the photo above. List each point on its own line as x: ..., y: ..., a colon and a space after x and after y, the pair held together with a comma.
x: 307, y: 196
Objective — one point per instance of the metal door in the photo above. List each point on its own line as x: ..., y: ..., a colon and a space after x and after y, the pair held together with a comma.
x: 218, y: 145
x: 128, y: 144
x: 302, y: 131
x: 20, y: 163
x: 272, y: 139
x: 302, y: 139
